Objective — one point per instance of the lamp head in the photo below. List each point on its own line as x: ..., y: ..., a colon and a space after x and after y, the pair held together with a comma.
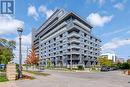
x: 20, y: 30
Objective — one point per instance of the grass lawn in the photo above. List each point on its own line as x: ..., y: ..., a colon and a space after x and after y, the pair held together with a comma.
x: 3, y: 79
x: 37, y: 73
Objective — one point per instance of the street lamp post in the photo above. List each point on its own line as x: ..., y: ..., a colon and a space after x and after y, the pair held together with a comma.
x: 20, y: 30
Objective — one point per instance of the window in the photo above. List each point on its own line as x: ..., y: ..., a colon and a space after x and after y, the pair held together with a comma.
x: 61, y: 52
x: 82, y: 40
x: 54, y: 39
x: 60, y: 46
x: 85, y: 34
x: 54, y: 48
x: 96, y: 40
x: 49, y: 41
x: 54, y: 44
x: 61, y: 36
x: 91, y: 37
x: 85, y: 40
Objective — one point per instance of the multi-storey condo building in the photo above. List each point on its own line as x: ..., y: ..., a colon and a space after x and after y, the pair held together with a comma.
x: 66, y: 38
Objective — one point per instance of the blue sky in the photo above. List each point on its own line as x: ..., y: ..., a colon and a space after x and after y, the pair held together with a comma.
x: 110, y: 20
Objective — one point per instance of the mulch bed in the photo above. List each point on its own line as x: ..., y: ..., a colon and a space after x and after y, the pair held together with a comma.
x: 26, y: 77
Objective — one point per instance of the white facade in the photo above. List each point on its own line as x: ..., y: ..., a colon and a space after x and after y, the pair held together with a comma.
x: 111, y: 56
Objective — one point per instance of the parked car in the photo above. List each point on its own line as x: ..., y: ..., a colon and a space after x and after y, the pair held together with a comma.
x: 2, y: 66
x: 105, y: 68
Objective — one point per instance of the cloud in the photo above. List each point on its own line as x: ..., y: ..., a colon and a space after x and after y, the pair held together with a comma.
x: 100, y: 2
x: 32, y: 12
x: 43, y: 9
x: 8, y: 24
x: 97, y: 20
x: 115, y: 43
x: 128, y: 32
x: 26, y: 42
x: 26, y: 39
x: 113, y: 32
x: 117, y: 31
x: 119, y: 6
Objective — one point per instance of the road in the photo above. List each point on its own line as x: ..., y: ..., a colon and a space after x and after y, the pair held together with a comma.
x: 77, y: 79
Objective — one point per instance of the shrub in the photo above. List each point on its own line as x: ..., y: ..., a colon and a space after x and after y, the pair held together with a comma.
x: 125, y: 66
x: 80, y: 67
x: 3, y: 77
x: 93, y: 68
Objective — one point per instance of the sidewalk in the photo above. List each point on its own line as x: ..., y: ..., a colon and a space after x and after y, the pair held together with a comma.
x: 8, y: 84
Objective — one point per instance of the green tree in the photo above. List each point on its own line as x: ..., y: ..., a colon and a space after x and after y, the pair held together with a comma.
x: 104, y: 61
x: 125, y: 66
x: 6, y: 50
x: 5, y: 55
x: 49, y: 63
x: 128, y: 61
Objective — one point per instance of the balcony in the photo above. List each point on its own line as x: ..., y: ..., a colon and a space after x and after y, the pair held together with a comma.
x: 74, y: 34
x: 73, y: 52
x: 74, y: 46
x: 71, y: 40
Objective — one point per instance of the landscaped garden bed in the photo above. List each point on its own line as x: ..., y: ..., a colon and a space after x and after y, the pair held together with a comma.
x: 3, y: 77
x: 127, y: 72
x: 26, y: 77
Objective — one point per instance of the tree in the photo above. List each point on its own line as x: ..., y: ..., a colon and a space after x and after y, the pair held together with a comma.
x: 128, y: 61
x: 5, y: 55
x: 104, y: 61
x: 6, y: 50
x: 32, y: 58
x: 10, y: 44
x: 49, y: 63
x: 125, y: 66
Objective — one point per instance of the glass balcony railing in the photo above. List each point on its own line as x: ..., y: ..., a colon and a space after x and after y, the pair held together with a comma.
x: 74, y: 40
x: 74, y: 46
x: 73, y: 34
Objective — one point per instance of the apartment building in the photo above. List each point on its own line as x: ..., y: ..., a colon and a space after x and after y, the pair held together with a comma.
x: 110, y: 56
x: 64, y: 38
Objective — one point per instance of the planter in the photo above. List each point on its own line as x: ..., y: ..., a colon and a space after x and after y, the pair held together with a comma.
x: 128, y: 72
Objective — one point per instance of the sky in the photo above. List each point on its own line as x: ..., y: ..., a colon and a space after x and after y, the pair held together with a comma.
x: 110, y: 20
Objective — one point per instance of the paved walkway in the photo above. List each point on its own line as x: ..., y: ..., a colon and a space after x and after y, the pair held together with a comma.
x: 8, y: 84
